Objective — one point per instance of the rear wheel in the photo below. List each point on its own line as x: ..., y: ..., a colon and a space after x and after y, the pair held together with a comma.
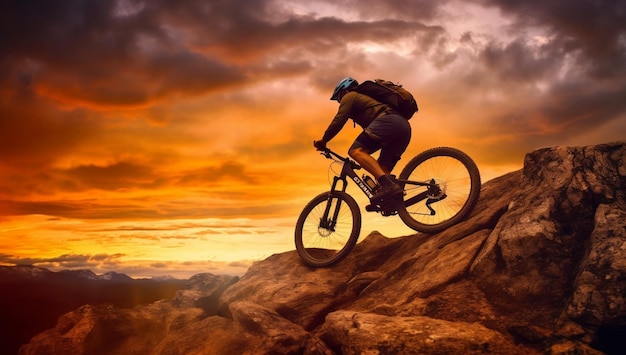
x: 327, y: 229
x: 451, y: 196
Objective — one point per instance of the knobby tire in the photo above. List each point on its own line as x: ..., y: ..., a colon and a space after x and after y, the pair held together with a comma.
x: 319, y: 246
x: 452, y: 168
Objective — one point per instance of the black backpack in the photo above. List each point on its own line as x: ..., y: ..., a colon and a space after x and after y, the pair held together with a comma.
x: 391, y: 94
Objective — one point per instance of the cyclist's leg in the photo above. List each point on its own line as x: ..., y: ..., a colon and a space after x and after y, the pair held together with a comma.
x: 394, y: 134
x: 391, y: 134
x: 361, y: 151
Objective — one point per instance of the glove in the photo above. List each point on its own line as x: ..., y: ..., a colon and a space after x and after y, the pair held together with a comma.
x: 320, y: 145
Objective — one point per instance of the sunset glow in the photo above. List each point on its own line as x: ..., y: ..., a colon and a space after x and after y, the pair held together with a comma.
x: 170, y: 138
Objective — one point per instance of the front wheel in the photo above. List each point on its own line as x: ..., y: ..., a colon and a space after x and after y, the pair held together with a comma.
x: 451, y: 194
x: 327, y: 229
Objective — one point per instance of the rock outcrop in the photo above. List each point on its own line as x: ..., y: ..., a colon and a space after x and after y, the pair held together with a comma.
x: 539, y: 267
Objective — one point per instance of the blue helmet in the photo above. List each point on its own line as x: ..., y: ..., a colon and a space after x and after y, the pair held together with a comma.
x: 345, y: 83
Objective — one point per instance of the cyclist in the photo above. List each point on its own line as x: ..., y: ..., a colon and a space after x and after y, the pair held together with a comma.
x: 383, y: 129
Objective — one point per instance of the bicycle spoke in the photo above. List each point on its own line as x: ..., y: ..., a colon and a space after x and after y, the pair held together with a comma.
x: 321, y: 238
x: 456, y: 177
x: 326, y: 234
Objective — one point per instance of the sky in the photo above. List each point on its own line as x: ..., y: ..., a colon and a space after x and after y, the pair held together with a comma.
x: 172, y: 137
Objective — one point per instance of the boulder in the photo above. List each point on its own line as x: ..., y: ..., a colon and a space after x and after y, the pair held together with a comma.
x: 366, y: 333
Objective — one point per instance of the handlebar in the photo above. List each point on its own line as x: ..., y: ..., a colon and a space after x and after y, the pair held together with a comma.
x: 329, y: 154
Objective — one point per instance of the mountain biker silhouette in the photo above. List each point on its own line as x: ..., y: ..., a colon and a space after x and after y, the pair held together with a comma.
x: 383, y: 129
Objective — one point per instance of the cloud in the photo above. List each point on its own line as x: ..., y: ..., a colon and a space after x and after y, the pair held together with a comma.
x: 548, y: 74
x: 519, y: 62
x: 578, y: 48
x: 33, y: 132
x: 112, y: 177
x: 128, y: 176
x: 210, y: 175
x: 595, y: 29
x: 65, y: 260
x: 90, y: 209
x: 408, y: 9
x: 82, y: 53
x: 102, y: 263
x: 86, y: 54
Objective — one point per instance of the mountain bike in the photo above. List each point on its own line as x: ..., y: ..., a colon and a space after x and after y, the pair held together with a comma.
x: 441, y: 188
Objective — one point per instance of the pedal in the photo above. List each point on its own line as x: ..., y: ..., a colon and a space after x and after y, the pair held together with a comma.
x: 389, y: 207
x: 387, y: 198
x: 372, y: 208
x: 387, y: 213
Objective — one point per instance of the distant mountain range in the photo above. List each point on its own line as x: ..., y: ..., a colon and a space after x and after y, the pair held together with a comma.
x: 30, y: 272
x: 32, y: 298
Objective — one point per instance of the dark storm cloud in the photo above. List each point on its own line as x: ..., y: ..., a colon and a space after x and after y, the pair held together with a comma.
x: 573, y: 100
x: 311, y: 35
x: 518, y: 62
x: 87, y: 52
x: 566, y: 64
x: 408, y: 9
x: 91, y: 51
x: 595, y: 29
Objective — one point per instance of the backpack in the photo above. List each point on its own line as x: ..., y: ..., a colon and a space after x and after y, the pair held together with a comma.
x: 391, y: 94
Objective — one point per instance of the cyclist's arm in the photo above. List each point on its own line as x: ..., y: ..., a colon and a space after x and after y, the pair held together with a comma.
x: 342, y: 116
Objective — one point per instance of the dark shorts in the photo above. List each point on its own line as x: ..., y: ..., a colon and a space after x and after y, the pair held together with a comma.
x: 390, y: 134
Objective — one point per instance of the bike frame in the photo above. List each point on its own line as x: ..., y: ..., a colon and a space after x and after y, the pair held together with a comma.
x: 349, y: 168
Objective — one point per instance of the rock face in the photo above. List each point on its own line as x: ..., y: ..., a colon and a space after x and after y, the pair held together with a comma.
x: 33, y: 298
x: 539, y: 267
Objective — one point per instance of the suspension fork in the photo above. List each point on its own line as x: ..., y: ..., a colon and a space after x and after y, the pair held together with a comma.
x: 325, y: 222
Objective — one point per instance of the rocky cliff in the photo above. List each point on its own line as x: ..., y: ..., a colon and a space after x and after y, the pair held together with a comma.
x: 33, y: 298
x: 539, y: 267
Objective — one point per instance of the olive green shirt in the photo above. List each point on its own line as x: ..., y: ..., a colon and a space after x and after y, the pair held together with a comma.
x: 362, y: 109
